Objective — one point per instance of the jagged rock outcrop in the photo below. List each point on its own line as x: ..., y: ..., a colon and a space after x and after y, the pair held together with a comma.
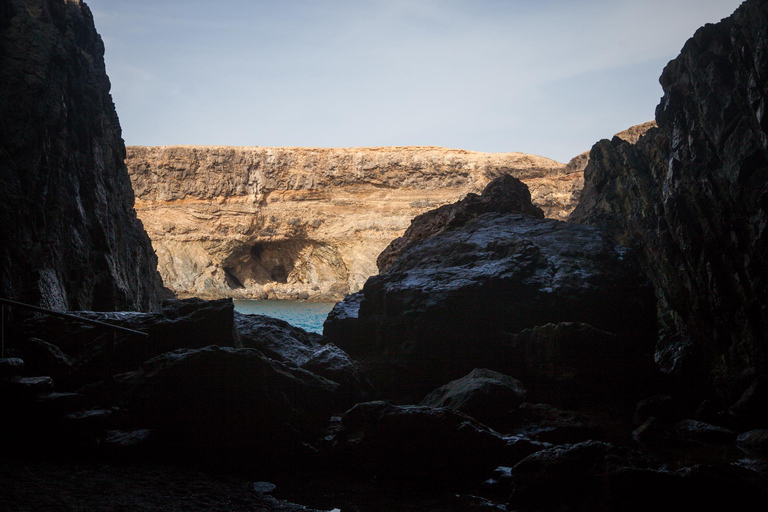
x: 69, y: 236
x: 306, y: 222
x: 692, y: 195
x: 437, y: 312
x: 505, y: 194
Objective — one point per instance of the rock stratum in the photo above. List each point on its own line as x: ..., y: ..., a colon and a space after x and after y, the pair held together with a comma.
x: 70, y: 236
x: 260, y: 222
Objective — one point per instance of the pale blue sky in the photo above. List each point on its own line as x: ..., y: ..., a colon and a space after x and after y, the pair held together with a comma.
x: 548, y: 77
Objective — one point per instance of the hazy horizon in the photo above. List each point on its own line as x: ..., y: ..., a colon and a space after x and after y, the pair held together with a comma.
x: 548, y: 78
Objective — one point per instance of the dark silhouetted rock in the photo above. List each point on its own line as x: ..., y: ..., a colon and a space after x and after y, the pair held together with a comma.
x: 277, y: 339
x: 435, y: 315
x: 693, y: 430
x: 751, y: 409
x: 43, y: 358
x: 419, y: 442
x: 298, y: 348
x: 70, y: 238
x: 547, y: 424
x: 754, y: 439
x: 692, y: 196
x: 654, y: 432
x: 11, y: 366
x: 227, y: 404
x: 334, y: 364
x: 574, y: 365
x: 664, y: 407
x: 568, y: 477
x: 187, y: 323
x: 505, y: 194
x: 485, y: 395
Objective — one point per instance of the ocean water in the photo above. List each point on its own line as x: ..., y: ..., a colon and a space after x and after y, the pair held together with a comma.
x: 307, y: 315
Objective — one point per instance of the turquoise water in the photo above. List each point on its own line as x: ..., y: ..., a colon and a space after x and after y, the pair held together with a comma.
x: 307, y: 315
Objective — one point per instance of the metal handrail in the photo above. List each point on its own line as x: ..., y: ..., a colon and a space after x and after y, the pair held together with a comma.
x: 55, y: 313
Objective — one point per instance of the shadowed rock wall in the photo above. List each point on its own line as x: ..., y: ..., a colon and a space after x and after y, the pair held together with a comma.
x: 693, y: 196
x: 70, y: 236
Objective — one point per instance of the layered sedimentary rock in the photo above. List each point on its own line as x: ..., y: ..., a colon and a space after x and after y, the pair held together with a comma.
x: 306, y: 222
x: 69, y: 236
x: 693, y: 196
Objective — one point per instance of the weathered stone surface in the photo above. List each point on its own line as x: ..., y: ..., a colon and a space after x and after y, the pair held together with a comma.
x: 415, y: 442
x: 505, y: 194
x: 187, y: 323
x: 229, y: 404
x: 43, y: 358
x: 751, y: 409
x: 691, y: 195
x: 574, y: 365
x: 436, y: 314
x: 547, y: 424
x: 754, y: 439
x: 69, y: 237
x: 277, y: 339
x: 693, y: 430
x: 280, y: 222
x: 331, y: 362
x: 11, y: 366
x: 483, y: 394
x: 664, y: 407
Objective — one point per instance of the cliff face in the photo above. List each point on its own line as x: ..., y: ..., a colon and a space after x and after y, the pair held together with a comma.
x: 306, y: 222
x: 692, y: 195
x: 70, y: 236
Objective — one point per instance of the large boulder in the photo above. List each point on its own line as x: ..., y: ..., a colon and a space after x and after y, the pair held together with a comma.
x: 485, y: 395
x: 277, y: 338
x: 298, y: 348
x: 436, y: 314
x: 505, y: 194
x: 229, y: 404
x: 188, y: 323
x: 597, y: 476
x: 692, y: 196
x: 426, y: 443
x: 574, y: 365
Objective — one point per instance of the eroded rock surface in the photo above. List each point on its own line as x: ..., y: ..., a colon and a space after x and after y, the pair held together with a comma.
x: 692, y: 195
x: 69, y: 236
x: 437, y: 312
x: 306, y: 222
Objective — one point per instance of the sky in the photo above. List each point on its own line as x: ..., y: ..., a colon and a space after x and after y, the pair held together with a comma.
x: 547, y: 77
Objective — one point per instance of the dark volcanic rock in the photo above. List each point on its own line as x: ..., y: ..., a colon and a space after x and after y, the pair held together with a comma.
x: 505, y: 194
x: 277, y: 338
x: 485, y: 395
x: 334, y: 364
x: 298, y: 348
x: 575, y: 365
x: 69, y: 236
x: 423, y: 442
x: 187, y: 323
x: 692, y: 195
x: 547, y: 424
x: 228, y: 404
x: 693, y: 430
x: 435, y: 315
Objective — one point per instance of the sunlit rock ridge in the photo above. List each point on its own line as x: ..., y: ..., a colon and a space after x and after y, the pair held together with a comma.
x: 307, y: 223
